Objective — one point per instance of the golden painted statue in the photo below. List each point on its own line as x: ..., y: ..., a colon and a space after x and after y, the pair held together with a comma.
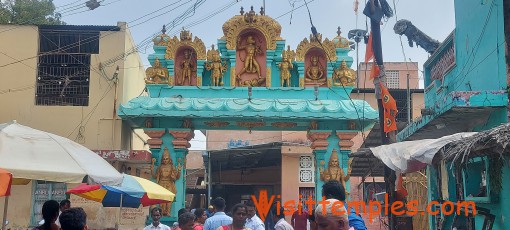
x: 314, y: 73
x: 250, y: 63
x: 187, y: 68
x: 156, y: 74
x: 334, y: 171
x: 218, y: 68
x: 166, y: 175
x: 344, y: 75
x: 285, y: 66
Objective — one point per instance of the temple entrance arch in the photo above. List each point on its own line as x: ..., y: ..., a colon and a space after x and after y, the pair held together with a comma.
x: 171, y: 112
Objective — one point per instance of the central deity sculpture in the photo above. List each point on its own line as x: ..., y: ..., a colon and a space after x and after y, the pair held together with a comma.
x: 166, y: 175
x: 218, y: 68
x: 285, y: 66
x: 334, y: 171
x: 187, y: 68
x: 314, y: 74
x: 250, y: 63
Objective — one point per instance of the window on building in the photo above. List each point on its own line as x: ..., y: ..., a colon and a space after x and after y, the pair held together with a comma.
x: 63, y: 71
x: 306, y: 169
x: 306, y: 193
x: 392, y: 79
x: 476, y: 180
x: 42, y: 192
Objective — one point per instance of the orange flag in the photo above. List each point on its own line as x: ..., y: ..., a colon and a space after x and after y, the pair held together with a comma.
x: 390, y: 110
x: 374, y: 71
x: 369, y: 53
x: 5, y: 183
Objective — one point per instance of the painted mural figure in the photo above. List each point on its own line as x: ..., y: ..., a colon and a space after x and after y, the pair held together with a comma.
x: 186, y: 68
x: 314, y: 74
x: 334, y: 171
x: 285, y: 66
x: 166, y: 175
x: 157, y: 74
x: 218, y: 68
x: 250, y: 63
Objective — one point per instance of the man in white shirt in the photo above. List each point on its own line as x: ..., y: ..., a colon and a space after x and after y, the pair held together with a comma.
x: 253, y: 222
x: 279, y: 218
x: 156, y: 216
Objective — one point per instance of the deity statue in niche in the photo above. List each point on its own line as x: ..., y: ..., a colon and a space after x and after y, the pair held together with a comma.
x: 344, y: 75
x: 251, y: 51
x: 187, y: 68
x: 156, y: 74
x: 314, y: 73
x: 285, y: 66
x: 166, y: 175
x: 334, y: 171
x: 216, y: 66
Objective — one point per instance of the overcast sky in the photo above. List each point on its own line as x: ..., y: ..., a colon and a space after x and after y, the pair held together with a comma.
x: 433, y: 17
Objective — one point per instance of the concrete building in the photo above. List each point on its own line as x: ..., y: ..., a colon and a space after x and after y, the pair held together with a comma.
x: 62, y: 79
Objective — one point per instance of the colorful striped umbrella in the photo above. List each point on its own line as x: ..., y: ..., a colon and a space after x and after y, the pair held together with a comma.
x: 131, y: 193
x: 5, y: 190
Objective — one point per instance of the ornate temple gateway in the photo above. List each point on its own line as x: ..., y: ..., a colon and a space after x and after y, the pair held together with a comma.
x: 250, y: 80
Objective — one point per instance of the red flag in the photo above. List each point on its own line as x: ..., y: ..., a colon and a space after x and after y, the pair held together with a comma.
x: 390, y: 110
x: 369, y: 53
x: 401, y: 191
x: 5, y: 183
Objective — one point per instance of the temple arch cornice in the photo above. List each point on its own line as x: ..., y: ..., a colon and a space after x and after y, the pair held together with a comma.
x: 269, y: 27
x: 173, y: 45
x: 327, y: 46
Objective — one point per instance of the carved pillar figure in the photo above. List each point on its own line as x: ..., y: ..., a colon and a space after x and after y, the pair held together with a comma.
x: 319, y: 139
x: 179, y: 139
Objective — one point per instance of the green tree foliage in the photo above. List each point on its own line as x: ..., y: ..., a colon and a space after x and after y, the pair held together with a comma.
x: 34, y: 12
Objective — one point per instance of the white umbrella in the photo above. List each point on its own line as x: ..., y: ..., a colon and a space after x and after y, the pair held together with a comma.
x: 37, y: 155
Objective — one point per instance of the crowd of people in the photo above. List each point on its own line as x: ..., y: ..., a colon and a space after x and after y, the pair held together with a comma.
x: 244, y: 216
x: 60, y: 216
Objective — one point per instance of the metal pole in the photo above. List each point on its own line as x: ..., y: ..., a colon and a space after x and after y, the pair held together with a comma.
x: 357, y: 64
x: 389, y: 174
x: 6, y: 204
x: 408, y: 101
x: 209, y: 180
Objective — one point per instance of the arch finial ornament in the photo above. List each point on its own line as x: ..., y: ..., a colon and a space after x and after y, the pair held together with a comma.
x: 185, y: 40
x: 269, y: 27
x: 315, y: 42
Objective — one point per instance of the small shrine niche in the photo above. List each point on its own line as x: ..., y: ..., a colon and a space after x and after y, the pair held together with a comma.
x: 316, y: 68
x: 186, y: 66
x: 251, y: 59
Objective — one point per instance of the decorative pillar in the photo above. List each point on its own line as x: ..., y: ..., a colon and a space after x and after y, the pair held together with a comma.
x: 179, y: 139
x: 200, y: 71
x: 269, y: 62
x: 319, y: 146
x: 232, y: 59
x: 346, y: 144
x: 170, y: 65
x: 301, y: 73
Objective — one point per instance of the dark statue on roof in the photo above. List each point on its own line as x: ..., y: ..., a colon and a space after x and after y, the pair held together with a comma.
x: 413, y: 34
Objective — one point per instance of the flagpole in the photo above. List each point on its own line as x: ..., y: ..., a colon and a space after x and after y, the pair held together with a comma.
x: 386, y: 138
x: 4, y: 219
